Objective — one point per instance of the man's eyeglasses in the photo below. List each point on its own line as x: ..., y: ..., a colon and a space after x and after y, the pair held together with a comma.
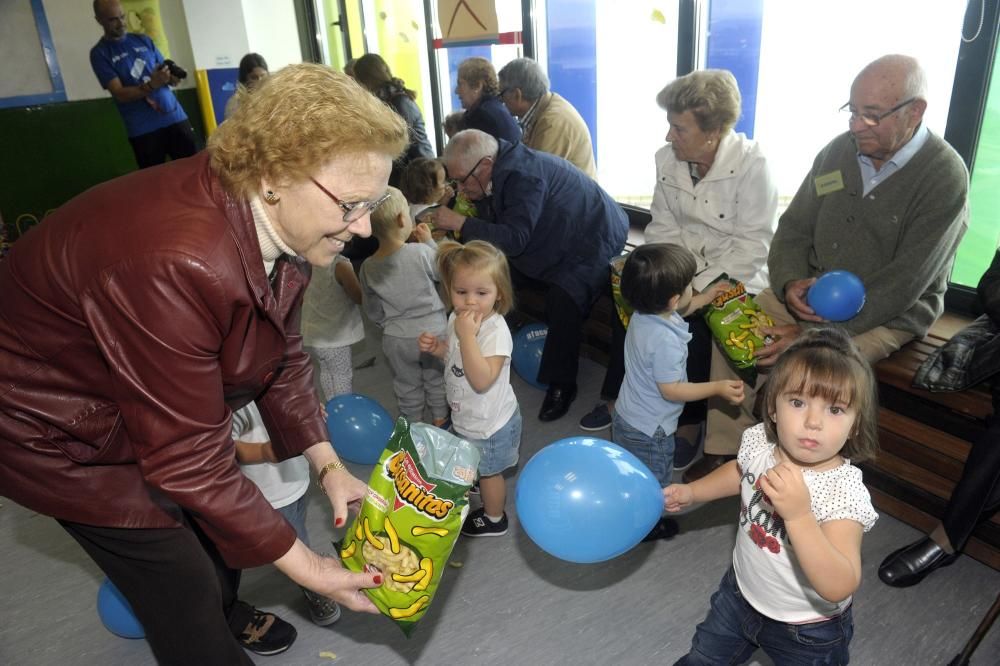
x: 873, y: 119
x: 354, y: 210
x: 461, y: 181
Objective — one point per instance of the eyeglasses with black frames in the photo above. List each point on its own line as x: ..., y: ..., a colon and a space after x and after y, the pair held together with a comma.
x: 873, y: 119
x: 353, y: 210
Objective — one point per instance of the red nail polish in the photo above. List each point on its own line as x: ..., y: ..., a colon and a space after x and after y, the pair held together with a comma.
x: 378, y: 580
x: 339, y: 522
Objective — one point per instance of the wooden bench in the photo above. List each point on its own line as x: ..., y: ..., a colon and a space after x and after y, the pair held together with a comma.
x: 925, y: 438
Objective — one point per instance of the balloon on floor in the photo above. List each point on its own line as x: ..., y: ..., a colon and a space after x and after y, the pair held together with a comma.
x: 837, y: 295
x: 359, y: 427
x: 529, y: 341
x: 586, y: 500
x: 116, y: 613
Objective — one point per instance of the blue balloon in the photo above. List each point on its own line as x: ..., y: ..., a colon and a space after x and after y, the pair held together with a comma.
x: 359, y: 427
x: 529, y: 342
x: 116, y: 613
x: 837, y: 295
x: 587, y: 500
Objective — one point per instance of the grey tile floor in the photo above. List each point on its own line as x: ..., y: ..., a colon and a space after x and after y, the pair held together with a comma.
x: 510, y: 603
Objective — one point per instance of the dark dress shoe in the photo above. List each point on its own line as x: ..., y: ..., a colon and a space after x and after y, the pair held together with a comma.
x: 556, y: 403
x: 910, y: 564
x: 708, y: 464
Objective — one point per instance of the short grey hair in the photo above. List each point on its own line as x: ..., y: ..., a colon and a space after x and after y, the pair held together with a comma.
x: 906, y: 69
x: 468, y: 147
x: 711, y: 95
x: 526, y: 74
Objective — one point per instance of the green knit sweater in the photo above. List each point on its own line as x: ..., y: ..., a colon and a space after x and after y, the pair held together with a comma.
x: 900, y: 239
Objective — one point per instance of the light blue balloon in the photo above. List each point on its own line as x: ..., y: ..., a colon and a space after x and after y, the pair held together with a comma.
x: 359, y: 427
x: 529, y: 342
x: 116, y: 613
x: 837, y: 295
x: 586, y: 500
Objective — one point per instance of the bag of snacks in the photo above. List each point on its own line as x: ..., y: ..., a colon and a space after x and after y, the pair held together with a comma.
x: 622, y: 307
x: 735, y: 320
x: 418, y: 497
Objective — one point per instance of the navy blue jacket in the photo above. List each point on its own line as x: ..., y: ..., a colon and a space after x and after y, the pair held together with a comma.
x: 554, y: 223
x: 491, y: 116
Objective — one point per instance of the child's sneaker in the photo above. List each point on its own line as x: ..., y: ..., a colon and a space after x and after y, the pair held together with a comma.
x: 665, y: 528
x: 322, y: 611
x: 478, y: 525
x: 474, y: 490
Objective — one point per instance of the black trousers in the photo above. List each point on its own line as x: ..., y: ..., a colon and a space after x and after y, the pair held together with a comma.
x: 561, y: 354
x: 175, y: 140
x: 180, y: 589
x: 976, y: 497
x: 698, y: 365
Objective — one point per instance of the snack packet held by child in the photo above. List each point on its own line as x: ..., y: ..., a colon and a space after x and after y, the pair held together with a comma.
x: 735, y: 320
x: 411, y: 517
x: 622, y: 307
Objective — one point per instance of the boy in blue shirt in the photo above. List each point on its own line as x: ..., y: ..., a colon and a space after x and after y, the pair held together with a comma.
x: 132, y: 69
x: 656, y: 281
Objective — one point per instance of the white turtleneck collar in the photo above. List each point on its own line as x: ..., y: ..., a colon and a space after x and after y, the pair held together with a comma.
x: 271, y: 245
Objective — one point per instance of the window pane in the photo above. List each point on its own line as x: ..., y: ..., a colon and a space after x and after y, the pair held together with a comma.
x: 980, y: 242
x: 810, y: 54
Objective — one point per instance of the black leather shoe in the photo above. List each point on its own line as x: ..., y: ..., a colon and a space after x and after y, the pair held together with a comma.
x: 910, y: 564
x: 708, y: 464
x: 556, y: 403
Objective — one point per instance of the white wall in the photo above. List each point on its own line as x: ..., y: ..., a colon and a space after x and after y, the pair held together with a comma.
x: 74, y: 32
x: 271, y: 31
x: 217, y: 35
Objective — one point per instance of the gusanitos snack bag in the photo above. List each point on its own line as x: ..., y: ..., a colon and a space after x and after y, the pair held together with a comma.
x: 622, y: 306
x: 418, y: 497
x: 735, y: 320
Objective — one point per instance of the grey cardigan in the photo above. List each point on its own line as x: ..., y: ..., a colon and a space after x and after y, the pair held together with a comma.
x: 900, y: 239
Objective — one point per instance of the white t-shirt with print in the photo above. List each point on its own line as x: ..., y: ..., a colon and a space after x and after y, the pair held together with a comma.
x: 767, y: 570
x: 280, y: 483
x: 479, y: 415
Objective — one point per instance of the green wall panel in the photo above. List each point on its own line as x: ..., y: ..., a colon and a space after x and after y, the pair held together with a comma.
x: 56, y: 151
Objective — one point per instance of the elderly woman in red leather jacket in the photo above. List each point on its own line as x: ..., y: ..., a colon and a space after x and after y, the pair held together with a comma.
x: 139, y: 314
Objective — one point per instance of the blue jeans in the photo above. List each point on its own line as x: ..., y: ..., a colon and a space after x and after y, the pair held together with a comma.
x: 733, y: 630
x: 656, y: 452
x: 499, y: 451
x: 295, y: 514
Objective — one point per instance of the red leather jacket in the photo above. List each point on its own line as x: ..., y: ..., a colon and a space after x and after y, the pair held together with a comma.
x: 131, y: 321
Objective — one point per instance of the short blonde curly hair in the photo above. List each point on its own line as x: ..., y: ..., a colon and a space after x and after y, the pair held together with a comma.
x: 711, y: 95
x: 296, y: 121
x: 480, y: 70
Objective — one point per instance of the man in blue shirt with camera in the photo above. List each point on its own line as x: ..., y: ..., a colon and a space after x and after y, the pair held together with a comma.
x: 131, y: 68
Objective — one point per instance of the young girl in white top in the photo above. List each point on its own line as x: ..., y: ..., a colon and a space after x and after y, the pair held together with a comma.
x: 804, y: 509
x: 331, y: 323
x: 477, y: 351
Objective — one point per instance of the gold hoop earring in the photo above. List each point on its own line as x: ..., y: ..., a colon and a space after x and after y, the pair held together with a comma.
x: 271, y: 198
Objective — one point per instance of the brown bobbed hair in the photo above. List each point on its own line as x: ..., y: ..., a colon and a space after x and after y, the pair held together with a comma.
x: 478, y: 70
x: 419, y: 179
x: 295, y: 122
x: 825, y: 363
x: 654, y: 273
x: 478, y: 256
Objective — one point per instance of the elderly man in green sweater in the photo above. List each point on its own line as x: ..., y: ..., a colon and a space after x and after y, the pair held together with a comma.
x: 886, y: 201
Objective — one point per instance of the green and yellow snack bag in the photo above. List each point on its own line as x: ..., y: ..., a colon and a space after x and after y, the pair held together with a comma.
x: 622, y: 306
x: 418, y: 497
x: 735, y: 320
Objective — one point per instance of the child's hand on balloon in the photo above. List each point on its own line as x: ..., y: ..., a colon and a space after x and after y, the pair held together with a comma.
x: 677, y: 496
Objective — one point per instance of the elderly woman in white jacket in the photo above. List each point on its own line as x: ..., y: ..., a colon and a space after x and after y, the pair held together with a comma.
x: 715, y: 196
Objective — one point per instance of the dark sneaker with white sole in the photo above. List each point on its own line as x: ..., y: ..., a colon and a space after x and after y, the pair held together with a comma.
x: 684, y: 454
x: 478, y: 525
x: 267, y: 634
x: 599, y: 418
